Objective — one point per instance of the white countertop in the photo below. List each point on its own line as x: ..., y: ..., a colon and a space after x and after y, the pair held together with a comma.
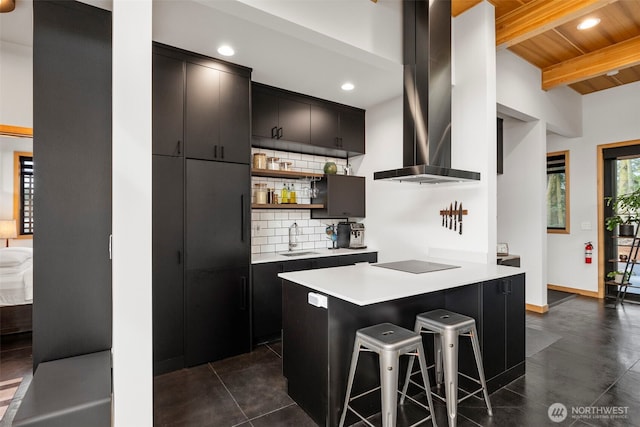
x: 364, y: 284
x: 310, y: 253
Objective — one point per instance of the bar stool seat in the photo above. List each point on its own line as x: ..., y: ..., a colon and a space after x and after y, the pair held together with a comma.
x: 447, y: 326
x: 390, y: 342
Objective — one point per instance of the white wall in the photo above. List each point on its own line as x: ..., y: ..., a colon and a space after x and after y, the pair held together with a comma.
x: 378, y: 28
x: 521, y: 202
x: 16, y: 84
x: 609, y: 116
x: 519, y: 95
x: 403, y: 219
x: 132, y: 324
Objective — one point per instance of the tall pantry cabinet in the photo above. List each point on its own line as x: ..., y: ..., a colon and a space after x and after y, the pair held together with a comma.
x: 201, y: 209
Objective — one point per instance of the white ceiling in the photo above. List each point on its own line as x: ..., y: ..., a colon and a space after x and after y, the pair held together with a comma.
x: 282, y: 53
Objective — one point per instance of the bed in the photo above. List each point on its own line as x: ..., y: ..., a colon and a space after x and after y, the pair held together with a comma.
x: 16, y: 289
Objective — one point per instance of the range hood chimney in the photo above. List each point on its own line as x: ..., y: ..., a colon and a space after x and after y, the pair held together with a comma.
x: 427, y: 96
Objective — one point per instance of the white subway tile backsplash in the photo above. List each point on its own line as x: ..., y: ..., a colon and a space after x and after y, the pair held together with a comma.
x: 270, y: 229
x: 256, y: 241
x: 267, y: 248
x: 267, y: 232
x: 266, y: 216
x: 274, y: 239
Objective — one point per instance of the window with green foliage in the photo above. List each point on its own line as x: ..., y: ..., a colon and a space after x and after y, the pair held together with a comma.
x: 558, y: 192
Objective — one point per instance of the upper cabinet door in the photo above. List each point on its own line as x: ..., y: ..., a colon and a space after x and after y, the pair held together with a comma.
x: 294, y: 120
x: 235, y: 138
x: 325, y: 126
x: 202, y: 124
x: 168, y: 106
x: 352, y: 137
x: 264, y: 120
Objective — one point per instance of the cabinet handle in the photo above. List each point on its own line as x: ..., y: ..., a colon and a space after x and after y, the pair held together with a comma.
x: 509, y: 287
x: 215, y: 151
x: 179, y: 257
x: 279, y: 133
x: 222, y: 151
x: 502, y: 288
x: 178, y: 147
x: 274, y: 132
x: 243, y: 294
x: 242, y: 218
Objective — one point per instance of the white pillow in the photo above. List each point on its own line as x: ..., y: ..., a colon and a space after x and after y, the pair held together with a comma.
x: 12, y: 257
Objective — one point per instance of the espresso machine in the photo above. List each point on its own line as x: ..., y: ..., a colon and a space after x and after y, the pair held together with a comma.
x: 351, y: 235
x: 356, y: 240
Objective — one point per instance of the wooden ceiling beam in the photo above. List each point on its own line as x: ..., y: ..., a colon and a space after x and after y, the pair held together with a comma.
x: 618, y: 56
x: 17, y: 131
x: 538, y: 16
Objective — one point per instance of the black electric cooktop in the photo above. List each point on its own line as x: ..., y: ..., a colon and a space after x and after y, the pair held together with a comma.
x: 416, y: 266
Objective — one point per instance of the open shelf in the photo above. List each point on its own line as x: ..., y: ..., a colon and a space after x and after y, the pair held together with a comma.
x: 286, y: 206
x: 284, y: 174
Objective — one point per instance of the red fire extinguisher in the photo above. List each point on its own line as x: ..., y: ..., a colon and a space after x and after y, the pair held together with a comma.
x: 588, y: 252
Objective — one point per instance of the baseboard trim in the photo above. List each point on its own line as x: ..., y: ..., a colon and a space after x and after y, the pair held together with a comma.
x: 537, y: 308
x: 591, y: 294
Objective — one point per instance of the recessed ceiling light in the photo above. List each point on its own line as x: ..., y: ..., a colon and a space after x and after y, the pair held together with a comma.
x: 613, y: 73
x: 588, y: 23
x: 226, y: 50
x: 347, y: 86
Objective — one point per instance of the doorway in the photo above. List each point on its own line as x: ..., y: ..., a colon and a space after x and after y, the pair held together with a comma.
x: 621, y: 175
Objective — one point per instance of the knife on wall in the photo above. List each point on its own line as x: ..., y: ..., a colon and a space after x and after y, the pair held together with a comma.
x: 455, y: 212
x: 460, y: 219
x: 450, y: 216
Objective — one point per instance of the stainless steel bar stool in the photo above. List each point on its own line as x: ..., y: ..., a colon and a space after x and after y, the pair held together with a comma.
x: 389, y: 342
x: 447, y: 326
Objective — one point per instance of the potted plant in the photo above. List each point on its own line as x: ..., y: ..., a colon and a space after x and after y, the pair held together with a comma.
x: 626, y: 208
x: 619, y: 276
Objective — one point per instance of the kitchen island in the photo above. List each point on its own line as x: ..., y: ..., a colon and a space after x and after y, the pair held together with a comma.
x: 322, y: 309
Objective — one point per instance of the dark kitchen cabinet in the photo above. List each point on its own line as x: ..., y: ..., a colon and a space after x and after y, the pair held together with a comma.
x: 343, y: 196
x: 168, y: 105
x: 290, y: 121
x: 278, y: 117
x: 503, y: 324
x: 267, y: 289
x: 338, y: 127
x: 202, y: 122
x: 217, y: 115
x: 217, y: 245
x: 235, y: 119
x: 201, y: 209
x: 201, y: 107
x: 168, y: 263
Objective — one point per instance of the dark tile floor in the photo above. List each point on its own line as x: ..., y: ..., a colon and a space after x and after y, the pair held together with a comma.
x: 581, y: 354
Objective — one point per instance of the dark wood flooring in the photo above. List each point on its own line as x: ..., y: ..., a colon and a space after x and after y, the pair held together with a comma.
x: 16, y: 365
x: 582, y: 354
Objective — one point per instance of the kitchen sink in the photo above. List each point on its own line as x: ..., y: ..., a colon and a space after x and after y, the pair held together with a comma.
x: 298, y: 253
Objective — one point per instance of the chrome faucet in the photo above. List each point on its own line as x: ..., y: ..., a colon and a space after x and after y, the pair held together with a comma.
x: 293, y: 233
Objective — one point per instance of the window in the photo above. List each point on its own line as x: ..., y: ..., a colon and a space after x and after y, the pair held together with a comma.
x: 558, y: 192
x: 23, y: 192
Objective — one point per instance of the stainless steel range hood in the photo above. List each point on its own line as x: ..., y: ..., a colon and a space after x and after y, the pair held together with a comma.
x: 427, y: 96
